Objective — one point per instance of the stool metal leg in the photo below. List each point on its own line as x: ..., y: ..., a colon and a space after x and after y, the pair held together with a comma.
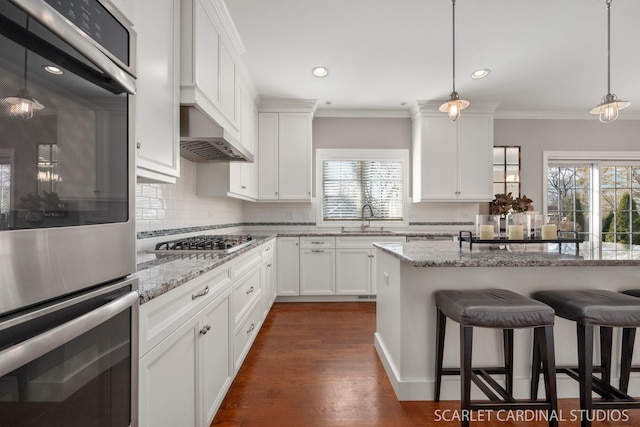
x: 466, y: 346
x: 507, y: 340
x: 441, y: 324
x: 606, y: 342
x: 546, y: 351
x: 585, y: 371
x: 628, y: 339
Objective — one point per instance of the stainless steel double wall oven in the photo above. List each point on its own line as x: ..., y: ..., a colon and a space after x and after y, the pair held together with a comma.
x: 68, y: 313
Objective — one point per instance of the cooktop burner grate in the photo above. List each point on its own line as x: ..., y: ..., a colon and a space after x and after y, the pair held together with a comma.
x: 206, y: 243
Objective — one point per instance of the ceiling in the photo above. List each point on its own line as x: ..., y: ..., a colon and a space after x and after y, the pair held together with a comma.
x: 547, y: 57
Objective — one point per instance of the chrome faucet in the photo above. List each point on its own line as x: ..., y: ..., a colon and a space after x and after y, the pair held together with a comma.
x: 362, y: 226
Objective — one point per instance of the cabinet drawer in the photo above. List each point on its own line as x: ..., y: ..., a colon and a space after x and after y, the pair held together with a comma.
x: 163, y: 315
x: 317, y: 242
x: 245, y: 334
x: 268, y: 248
x: 245, y: 292
x: 244, y: 263
x: 367, y: 241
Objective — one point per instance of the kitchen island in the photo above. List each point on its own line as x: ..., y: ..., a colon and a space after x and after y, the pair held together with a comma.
x: 408, y: 275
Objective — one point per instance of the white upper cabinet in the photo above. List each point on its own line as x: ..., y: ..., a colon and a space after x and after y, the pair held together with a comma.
x: 452, y: 161
x: 157, y: 97
x: 210, y: 50
x: 285, y: 150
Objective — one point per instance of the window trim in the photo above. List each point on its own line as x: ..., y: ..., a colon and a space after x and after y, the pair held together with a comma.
x: 401, y: 155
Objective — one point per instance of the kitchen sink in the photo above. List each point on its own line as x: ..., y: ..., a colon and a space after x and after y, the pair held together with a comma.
x: 367, y: 232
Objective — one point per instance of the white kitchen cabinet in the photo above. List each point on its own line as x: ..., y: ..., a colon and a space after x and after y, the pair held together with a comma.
x: 169, y: 380
x: 243, y: 176
x: 191, y: 363
x: 288, y: 266
x: 269, y: 279
x: 354, y: 271
x: 452, y: 161
x: 355, y: 263
x: 317, y: 266
x: 157, y: 97
x: 209, y: 56
x: 125, y: 7
x: 285, y: 156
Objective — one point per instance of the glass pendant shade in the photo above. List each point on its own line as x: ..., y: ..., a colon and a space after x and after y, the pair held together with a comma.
x: 453, y: 106
x: 609, y: 107
x: 22, y: 105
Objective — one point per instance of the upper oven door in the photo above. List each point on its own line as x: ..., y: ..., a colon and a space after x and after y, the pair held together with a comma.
x: 66, y: 157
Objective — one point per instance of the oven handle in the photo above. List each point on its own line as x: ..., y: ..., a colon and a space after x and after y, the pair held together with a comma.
x: 59, y: 25
x: 31, y: 349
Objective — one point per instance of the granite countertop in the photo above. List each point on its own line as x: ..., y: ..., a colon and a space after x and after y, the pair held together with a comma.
x: 449, y: 254
x: 159, y: 273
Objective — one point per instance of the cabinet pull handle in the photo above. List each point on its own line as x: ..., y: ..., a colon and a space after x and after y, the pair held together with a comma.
x: 138, y: 145
x: 251, y: 328
x: 251, y: 289
x: 267, y: 249
x: 244, y: 187
x: 201, y: 293
x: 269, y: 265
x: 205, y: 329
x: 370, y: 256
x: 317, y: 250
x: 317, y: 243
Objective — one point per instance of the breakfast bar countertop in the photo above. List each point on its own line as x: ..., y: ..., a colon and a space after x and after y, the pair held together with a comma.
x: 450, y: 254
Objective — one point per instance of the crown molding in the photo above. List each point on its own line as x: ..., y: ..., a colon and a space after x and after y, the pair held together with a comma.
x: 229, y: 28
x: 354, y: 113
x: 272, y: 105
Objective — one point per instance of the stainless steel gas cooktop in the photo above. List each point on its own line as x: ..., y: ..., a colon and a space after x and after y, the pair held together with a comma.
x: 221, y: 244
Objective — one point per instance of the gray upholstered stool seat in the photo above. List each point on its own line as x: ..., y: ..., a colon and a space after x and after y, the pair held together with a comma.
x: 498, y: 309
x: 633, y: 292
x: 493, y: 308
x: 593, y: 307
x: 606, y: 310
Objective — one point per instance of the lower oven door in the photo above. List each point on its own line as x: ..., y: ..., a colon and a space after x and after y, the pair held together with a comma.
x: 72, y: 363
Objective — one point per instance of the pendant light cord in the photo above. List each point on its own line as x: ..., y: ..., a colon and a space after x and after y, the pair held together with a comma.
x: 26, y: 51
x: 453, y: 8
x: 609, y: 46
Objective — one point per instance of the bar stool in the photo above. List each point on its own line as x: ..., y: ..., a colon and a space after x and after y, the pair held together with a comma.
x: 628, y: 339
x: 498, y: 309
x: 589, y: 308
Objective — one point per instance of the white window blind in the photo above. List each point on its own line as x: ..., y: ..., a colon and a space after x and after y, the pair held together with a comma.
x: 348, y: 185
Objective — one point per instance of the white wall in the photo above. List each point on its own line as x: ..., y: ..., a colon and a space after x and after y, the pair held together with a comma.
x: 538, y: 135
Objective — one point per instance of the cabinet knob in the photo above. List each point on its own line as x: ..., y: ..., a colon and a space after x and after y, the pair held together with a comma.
x: 138, y: 145
x: 276, y: 193
x: 269, y: 265
x: 205, y: 329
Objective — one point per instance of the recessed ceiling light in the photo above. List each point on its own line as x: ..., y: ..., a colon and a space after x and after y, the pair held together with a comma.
x: 480, y: 74
x: 52, y: 69
x: 320, y: 71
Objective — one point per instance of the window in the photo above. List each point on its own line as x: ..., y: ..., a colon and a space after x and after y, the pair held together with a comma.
x: 506, y: 170
x: 352, y: 179
x: 598, y: 196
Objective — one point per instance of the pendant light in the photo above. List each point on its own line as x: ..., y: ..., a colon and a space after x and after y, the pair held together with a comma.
x: 454, y: 105
x: 23, y: 104
x: 610, y: 104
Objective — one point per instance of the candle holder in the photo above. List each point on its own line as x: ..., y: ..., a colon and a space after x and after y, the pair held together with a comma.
x: 487, y: 227
x: 518, y: 226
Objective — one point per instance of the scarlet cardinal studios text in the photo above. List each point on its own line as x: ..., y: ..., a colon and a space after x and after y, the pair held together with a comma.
x: 530, y: 415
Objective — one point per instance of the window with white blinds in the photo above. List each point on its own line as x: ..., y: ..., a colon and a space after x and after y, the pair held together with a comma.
x: 348, y: 185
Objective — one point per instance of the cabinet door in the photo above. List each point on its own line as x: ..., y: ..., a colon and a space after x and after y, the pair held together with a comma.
x: 268, y: 284
x: 227, y: 84
x: 317, y: 272
x: 475, y: 158
x: 353, y: 271
x: 168, y: 380
x: 215, y: 355
x: 268, y: 152
x: 288, y: 256
x: 241, y: 173
x: 157, y: 98
x: 438, y: 166
x: 205, y: 52
x: 294, y: 156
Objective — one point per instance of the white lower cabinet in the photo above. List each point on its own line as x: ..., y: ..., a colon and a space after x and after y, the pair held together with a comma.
x: 192, y: 363
x: 288, y: 266
x: 317, y: 265
x: 353, y: 271
x: 269, y: 277
x: 193, y: 340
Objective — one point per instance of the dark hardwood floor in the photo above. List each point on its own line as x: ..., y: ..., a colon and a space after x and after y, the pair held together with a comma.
x: 314, y: 364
